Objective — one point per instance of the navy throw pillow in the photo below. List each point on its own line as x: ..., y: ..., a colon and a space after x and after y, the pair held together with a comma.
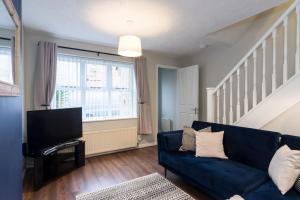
x: 297, y: 184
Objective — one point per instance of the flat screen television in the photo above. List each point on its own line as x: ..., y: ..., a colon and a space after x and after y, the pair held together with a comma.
x: 47, y: 128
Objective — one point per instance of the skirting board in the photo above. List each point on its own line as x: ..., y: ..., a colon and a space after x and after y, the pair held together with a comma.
x: 109, y: 152
x: 148, y: 144
x: 140, y: 146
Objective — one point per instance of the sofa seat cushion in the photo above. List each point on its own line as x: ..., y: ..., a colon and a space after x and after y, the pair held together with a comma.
x: 178, y: 160
x: 223, y: 177
x: 269, y: 191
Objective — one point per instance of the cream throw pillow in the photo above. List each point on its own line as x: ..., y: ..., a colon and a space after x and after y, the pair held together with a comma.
x: 210, y: 144
x: 284, y: 168
x: 189, y: 139
x: 236, y: 197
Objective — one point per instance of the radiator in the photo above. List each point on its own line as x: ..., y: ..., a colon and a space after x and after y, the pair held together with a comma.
x: 103, y: 141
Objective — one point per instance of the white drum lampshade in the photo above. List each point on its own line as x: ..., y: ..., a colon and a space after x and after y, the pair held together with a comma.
x: 130, y: 46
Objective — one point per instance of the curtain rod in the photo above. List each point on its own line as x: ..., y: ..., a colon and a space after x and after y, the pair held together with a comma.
x: 90, y: 51
x: 4, y: 38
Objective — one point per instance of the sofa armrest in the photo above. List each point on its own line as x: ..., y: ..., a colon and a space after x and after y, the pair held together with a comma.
x: 169, y: 141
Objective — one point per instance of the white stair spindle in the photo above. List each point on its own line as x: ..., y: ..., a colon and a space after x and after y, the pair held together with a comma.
x: 246, y: 88
x: 224, y: 103
x: 238, y: 105
x: 263, y: 89
x: 254, y: 80
x: 231, y: 109
x: 274, y: 81
x: 285, y: 59
x: 298, y: 40
x: 218, y: 106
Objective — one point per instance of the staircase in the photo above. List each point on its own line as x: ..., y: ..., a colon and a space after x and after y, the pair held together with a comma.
x: 266, y: 81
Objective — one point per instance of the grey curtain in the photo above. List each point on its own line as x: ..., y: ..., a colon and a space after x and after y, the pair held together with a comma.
x: 144, y: 109
x: 45, y: 75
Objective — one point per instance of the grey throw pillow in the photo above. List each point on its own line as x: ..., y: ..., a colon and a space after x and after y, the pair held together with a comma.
x: 189, y: 138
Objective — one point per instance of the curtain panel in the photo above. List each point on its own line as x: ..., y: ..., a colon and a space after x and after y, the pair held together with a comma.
x: 144, y: 109
x: 45, y: 74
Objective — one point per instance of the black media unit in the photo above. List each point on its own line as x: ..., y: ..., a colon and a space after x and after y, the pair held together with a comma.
x: 49, y: 162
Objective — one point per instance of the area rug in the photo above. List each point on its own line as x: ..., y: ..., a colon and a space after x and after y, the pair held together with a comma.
x: 153, y: 186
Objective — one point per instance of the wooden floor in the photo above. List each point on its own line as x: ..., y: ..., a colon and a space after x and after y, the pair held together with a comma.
x: 104, y: 171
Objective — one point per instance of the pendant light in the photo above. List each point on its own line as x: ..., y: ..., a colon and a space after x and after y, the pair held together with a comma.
x: 130, y: 46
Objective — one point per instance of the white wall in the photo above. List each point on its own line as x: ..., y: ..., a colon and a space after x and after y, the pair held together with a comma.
x: 167, y: 95
x: 31, y: 38
x: 287, y: 123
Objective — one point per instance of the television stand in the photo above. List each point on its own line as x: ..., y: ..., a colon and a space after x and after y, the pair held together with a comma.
x: 50, y: 158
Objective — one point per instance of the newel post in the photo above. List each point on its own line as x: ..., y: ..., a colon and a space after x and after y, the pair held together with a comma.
x: 210, y: 102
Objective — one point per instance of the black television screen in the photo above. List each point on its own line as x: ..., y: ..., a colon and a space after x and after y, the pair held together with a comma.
x: 46, y: 128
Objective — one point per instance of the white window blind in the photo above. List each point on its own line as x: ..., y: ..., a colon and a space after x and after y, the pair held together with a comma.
x: 104, y: 89
x: 6, y: 69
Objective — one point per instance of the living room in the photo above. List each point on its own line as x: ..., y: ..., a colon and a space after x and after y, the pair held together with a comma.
x: 118, y: 99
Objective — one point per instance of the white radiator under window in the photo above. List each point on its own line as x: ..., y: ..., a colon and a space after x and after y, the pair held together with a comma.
x: 97, y: 142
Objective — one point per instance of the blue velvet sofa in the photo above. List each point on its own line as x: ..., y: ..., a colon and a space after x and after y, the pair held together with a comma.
x: 245, y: 172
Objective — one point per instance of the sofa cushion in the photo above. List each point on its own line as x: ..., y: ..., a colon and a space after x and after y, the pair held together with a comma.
x: 269, y: 191
x: 210, y: 145
x: 189, y: 138
x: 178, y: 160
x: 172, y: 142
x: 224, y: 177
x: 252, y: 147
x: 297, y: 185
x: 292, y: 141
x: 197, y: 125
x: 284, y: 168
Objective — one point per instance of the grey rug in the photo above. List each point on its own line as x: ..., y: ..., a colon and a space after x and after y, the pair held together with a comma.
x: 153, y: 186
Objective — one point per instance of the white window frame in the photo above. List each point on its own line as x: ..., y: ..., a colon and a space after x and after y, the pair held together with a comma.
x: 83, y: 87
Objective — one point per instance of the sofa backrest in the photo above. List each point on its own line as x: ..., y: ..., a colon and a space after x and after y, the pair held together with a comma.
x: 252, y: 147
x: 291, y: 141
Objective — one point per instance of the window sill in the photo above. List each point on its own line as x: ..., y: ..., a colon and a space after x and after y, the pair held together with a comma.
x: 7, y: 89
x: 109, y: 120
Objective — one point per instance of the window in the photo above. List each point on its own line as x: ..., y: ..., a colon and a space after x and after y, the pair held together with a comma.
x: 104, y: 89
x: 6, y: 69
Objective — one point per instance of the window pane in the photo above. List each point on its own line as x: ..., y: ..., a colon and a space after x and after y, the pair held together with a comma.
x: 96, y: 75
x: 6, y: 70
x: 122, y: 104
x: 121, y: 77
x: 67, y: 92
x: 96, y: 105
x: 104, y: 89
x: 67, y: 98
x: 68, y: 71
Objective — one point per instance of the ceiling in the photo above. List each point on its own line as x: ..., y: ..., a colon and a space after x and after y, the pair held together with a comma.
x: 176, y: 27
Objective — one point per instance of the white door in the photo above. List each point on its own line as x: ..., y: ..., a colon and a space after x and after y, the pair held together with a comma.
x: 188, y: 96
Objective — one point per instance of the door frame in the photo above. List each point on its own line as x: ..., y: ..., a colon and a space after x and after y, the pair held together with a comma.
x: 156, y: 82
